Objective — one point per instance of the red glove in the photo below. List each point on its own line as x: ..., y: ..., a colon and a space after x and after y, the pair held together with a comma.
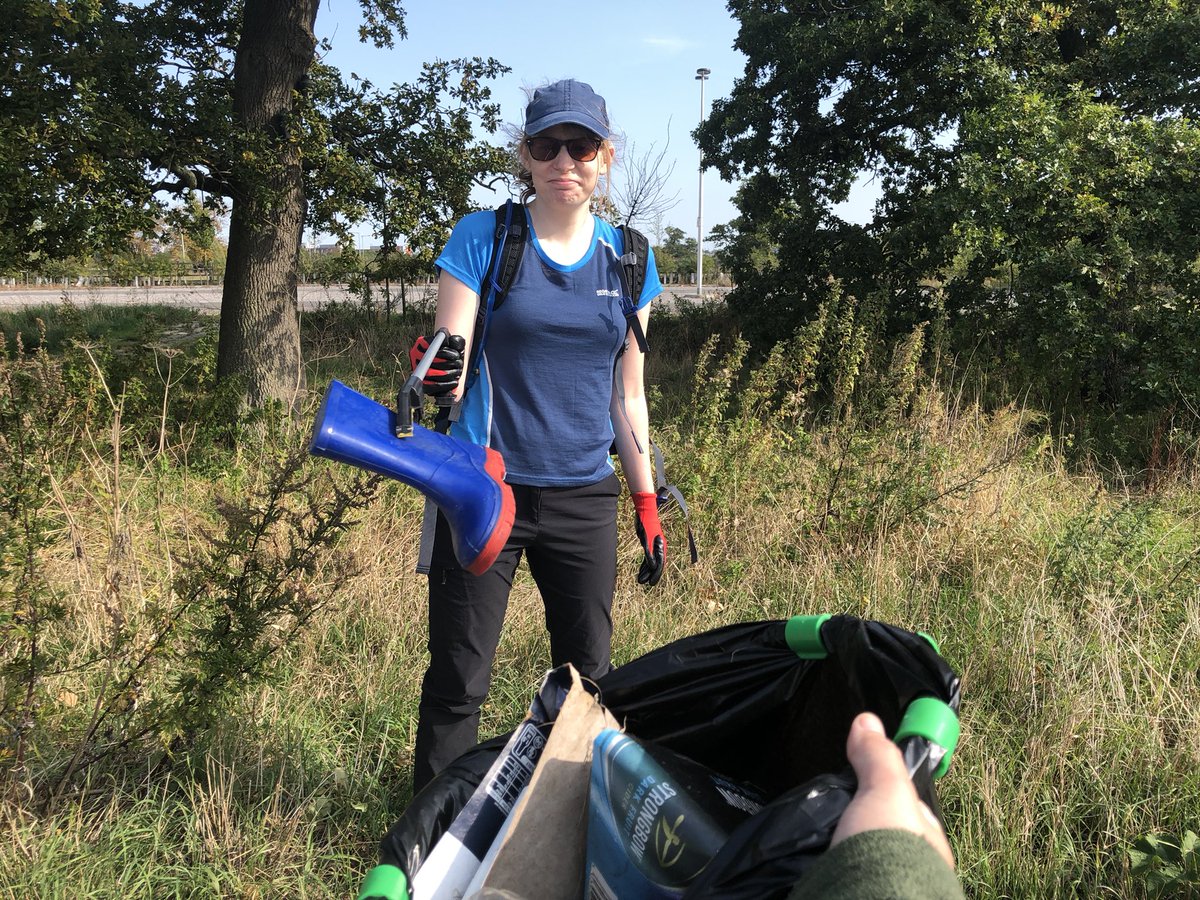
x: 443, y: 376
x: 650, y: 533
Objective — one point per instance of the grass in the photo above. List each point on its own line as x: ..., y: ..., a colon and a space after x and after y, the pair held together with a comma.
x: 122, y: 327
x: 1069, y: 603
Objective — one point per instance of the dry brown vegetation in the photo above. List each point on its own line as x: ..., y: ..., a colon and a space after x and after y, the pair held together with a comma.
x: 1069, y: 602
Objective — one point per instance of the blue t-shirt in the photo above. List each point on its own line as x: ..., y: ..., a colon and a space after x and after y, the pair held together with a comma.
x: 545, y: 377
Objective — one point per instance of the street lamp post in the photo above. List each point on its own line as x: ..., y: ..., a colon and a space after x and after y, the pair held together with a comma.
x: 701, y: 76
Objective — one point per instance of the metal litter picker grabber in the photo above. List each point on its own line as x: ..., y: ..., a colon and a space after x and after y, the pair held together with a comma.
x: 763, y: 703
x: 466, y: 481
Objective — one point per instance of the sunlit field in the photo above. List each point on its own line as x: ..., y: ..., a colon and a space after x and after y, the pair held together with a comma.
x: 212, y: 644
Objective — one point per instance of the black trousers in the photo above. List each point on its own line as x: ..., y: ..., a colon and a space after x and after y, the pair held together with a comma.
x: 569, y: 538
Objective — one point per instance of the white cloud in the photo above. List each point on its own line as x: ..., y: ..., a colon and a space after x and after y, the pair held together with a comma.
x: 667, y: 44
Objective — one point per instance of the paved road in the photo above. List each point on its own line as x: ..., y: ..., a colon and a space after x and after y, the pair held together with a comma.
x: 207, y: 298
x: 195, y: 297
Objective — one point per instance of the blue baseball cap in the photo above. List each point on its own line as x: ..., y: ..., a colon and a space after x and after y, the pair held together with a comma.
x: 566, y: 102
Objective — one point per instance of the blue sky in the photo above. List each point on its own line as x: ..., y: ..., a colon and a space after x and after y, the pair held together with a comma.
x: 640, y: 56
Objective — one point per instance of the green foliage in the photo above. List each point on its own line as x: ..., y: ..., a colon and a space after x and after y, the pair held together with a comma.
x: 1024, y: 164
x: 114, y: 108
x: 675, y: 258
x: 1073, y: 221
x: 405, y: 158
x: 124, y: 116
x: 331, y: 268
x: 38, y: 443
x: 839, y: 409
x: 1124, y: 550
x: 117, y: 326
x: 172, y: 657
x: 247, y: 593
x: 1069, y: 607
x: 1169, y: 866
x: 159, y: 362
x: 70, y: 157
x: 676, y: 254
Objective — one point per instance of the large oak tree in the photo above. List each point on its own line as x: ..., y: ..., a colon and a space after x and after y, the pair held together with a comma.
x: 116, y: 112
x: 1036, y: 160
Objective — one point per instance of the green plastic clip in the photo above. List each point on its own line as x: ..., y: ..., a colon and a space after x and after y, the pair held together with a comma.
x: 932, y: 643
x: 803, y: 635
x: 384, y: 883
x: 933, y: 720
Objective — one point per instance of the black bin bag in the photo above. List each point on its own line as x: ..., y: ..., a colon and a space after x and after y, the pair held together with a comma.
x: 768, y: 703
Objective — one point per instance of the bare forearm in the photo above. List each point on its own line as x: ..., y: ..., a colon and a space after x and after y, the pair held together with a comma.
x: 456, y: 307
x: 631, y: 426
x: 631, y: 416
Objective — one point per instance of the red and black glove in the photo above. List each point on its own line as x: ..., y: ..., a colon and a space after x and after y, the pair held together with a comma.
x: 650, y: 533
x: 447, y: 368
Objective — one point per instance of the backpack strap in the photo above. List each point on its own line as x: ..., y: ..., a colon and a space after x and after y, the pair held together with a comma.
x: 511, y: 235
x: 634, y: 262
x: 637, y: 243
x: 508, y: 247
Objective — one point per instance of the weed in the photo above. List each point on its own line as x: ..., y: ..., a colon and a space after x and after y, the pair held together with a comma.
x: 838, y: 472
x: 172, y: 645
x: 1169, y: 866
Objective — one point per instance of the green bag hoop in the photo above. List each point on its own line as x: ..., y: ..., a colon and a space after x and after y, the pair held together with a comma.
x: 803, y: 635
x: 933, y: 720
x: 384, y: 883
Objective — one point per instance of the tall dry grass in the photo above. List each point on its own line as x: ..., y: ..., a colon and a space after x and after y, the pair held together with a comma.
x: 1069, y: 603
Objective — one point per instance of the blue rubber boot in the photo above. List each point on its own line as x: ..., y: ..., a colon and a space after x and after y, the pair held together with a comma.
x: 466, y: 481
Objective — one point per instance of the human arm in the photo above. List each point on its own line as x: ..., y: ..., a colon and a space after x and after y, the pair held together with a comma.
x: 881, y: 864
x: 630, y: 416
x: 456, y: 307
x: 462, y: 266
x: 888, y: 843
x: 885, y: 797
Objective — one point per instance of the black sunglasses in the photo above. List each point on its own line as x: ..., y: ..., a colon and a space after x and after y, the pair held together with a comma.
x: 544, y: 149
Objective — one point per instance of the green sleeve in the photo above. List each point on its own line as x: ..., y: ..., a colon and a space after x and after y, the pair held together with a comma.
x: 887, y: 864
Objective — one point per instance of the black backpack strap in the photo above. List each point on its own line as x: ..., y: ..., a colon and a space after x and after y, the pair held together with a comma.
x: 637, y: 243
x: 511, y: 249
x: 634, y: 262
x: 508, y: 247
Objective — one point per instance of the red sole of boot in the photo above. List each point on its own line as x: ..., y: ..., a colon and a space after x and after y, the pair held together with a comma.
x: 494, y: 466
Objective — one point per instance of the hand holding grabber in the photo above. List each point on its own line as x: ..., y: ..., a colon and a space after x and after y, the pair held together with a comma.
x: 437, y: 370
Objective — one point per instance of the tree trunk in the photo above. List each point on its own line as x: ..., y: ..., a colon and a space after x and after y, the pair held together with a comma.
x: 259, y: 340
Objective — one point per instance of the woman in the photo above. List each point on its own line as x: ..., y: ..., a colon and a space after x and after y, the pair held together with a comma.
x: 554, y: 392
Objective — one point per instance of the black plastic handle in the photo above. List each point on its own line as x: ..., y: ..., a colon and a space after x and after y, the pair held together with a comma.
x: 408, y: 401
